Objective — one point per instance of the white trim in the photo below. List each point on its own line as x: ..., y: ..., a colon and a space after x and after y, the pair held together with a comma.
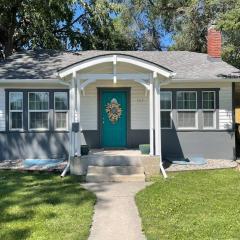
x: 34, y: 81
x: 79, y: 117
x: 111, y: 58
x: 30, y: 111
x: 151, y: 117
x: 157, y: 113
x: 71, y: 117
x: 109, y: 76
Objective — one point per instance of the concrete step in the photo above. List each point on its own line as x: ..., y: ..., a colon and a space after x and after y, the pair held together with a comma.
x: 115, y: 174
x: 111, y: 160
x: 115, y: 178
x: 111, y: 170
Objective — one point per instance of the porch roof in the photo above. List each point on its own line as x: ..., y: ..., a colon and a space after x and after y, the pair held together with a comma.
x: 44, y: 64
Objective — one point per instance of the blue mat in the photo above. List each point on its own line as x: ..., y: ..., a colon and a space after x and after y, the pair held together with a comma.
x: 194, y: 160
x: 46, y: 163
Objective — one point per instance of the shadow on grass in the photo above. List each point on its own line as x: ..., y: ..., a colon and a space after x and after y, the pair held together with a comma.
x: 25, y: 197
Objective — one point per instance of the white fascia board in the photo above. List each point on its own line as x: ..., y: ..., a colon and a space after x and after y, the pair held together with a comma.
x: 111, y: 58
x: 222, y: 80
x: 33, y: 81
x: 109, y: 76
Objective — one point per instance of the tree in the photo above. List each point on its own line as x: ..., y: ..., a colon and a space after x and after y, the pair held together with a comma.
x: 58, y: 24
x: 229, y: 24
x: 150, y: 20
x: 192, y: 25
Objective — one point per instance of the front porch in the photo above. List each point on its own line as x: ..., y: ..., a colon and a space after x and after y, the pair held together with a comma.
x: 115, y: 165
x: 115, y: 102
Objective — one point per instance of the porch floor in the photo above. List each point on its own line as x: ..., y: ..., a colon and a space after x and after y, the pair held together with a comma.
x: 109, y: 152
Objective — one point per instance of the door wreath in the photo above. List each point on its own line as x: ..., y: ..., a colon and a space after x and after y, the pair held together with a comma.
x: 114, y: 110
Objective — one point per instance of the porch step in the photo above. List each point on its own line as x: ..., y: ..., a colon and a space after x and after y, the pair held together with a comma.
x: 113, y: 160
x: 115, y: 174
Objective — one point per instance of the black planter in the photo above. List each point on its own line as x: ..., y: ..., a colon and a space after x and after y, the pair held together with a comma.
x: 84, y: 150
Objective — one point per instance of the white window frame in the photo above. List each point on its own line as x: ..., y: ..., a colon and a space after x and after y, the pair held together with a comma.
x: 210, y: 110
x: 188, y: 110
x: 61, y: 111
x: 10, y: 111
x: 167, y: 110
x: 29, y: 111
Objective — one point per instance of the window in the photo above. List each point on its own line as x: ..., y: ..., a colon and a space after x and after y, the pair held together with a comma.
x: 187, y: 109
x: 61, y: 110
x: 15, y: 110
x: 38, y: 107
x: 166, y: 109
x: 209, y: 107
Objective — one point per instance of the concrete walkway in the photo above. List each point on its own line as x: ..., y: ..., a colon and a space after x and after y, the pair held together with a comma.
x: 116, y: 215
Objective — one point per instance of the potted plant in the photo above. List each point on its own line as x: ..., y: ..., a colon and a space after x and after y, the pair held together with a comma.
x: 144, y: 148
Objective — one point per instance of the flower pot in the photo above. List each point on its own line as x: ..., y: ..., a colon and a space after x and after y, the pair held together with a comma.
x: 144, y: 148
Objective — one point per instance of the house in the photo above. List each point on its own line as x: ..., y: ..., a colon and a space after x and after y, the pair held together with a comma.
x: 180, y: 102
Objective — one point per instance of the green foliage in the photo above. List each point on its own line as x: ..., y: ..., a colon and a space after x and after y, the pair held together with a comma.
x: 53, y: 24
x: 192, y: 205
x: 229, y: 23
x: 43, y: 206
x: 192, y: 24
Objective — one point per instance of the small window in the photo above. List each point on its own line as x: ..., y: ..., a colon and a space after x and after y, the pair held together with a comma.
x: 38, y: 108
x: 15, y: 110
x: 166, y: 109
x: 209, y: 109
x: 187, y: 109
x: 61, y: 110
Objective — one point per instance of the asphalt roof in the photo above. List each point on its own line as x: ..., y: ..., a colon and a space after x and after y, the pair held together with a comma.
x: 44, y: 64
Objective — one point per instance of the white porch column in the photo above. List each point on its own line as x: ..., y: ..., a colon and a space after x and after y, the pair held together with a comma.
x: 78, y: 117
x: 72, y: 117
x: 157, y: 116
x: 151, y: 116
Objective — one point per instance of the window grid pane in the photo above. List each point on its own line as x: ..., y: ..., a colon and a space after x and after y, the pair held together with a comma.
x: 38, y: 101
x: 38, y: 120
x: 60, y: 100
x: 208, y: 119
x: 186, y: 100
x: 16, y: 100
x: 61, y: 120
x: 16, y: 120
x: 166, y: 100
x: 166, y: 119
x: 208, y: 100
x: 187, y: 119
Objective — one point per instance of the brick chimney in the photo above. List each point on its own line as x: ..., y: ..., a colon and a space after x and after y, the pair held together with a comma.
x: 214, y: 43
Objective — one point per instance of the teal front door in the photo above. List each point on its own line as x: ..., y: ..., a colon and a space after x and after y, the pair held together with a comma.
x: 114, y: 119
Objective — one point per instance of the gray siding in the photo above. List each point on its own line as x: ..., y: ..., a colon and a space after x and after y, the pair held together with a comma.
x: 16, y: 145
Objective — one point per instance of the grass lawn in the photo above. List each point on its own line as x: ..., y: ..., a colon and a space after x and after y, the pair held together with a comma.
x: 43, y: 206
x: 192, y: 205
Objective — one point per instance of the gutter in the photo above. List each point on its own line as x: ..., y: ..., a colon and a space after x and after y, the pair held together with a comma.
x: 34, y: 81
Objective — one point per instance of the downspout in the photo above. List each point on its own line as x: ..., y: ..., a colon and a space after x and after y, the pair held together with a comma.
x: 160, y: 129
x: 66, y: 169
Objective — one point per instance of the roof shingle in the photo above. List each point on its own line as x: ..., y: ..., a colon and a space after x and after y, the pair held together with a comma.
x: 44, y: 64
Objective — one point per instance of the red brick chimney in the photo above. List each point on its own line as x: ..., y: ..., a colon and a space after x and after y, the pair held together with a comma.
x: 214, y: 43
